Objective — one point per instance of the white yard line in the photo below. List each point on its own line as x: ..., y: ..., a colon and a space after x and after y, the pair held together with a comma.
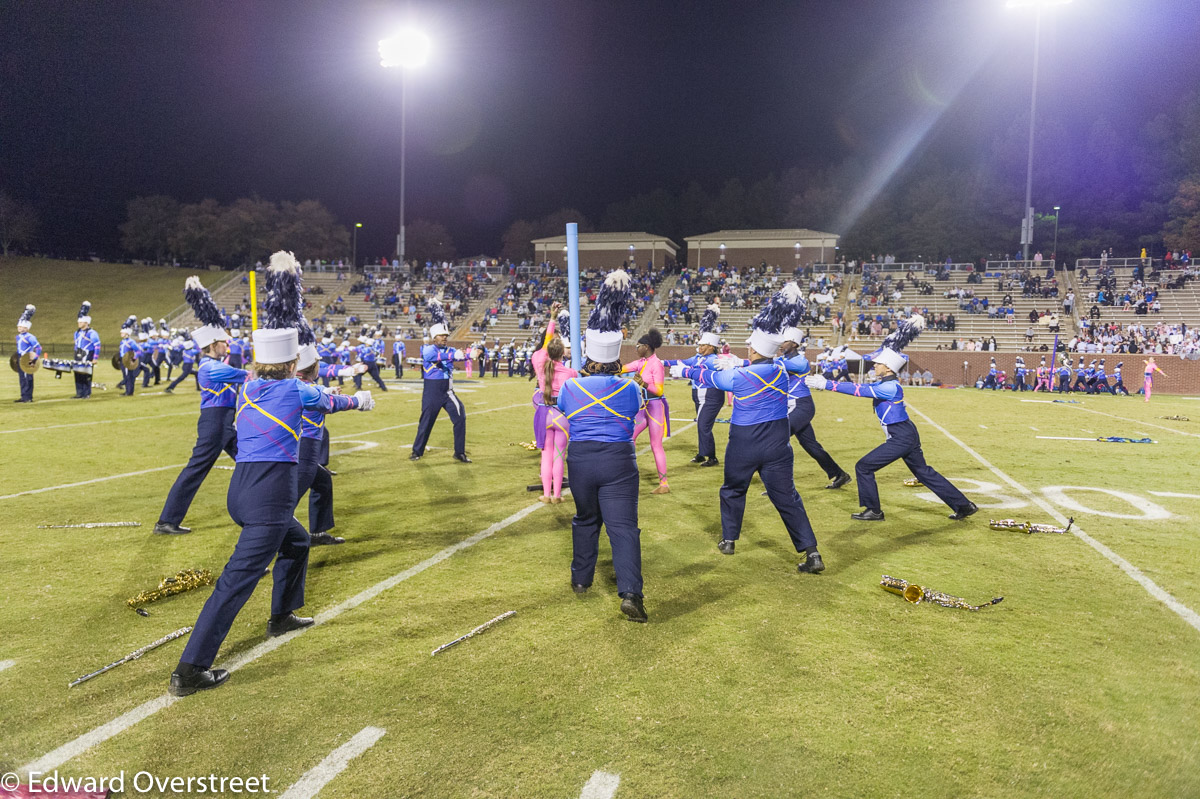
x: 412, y: 424
x: 99, y: 735
x: 1173, y: 494
x: 1183, y: 611
x: 334, y: 764
x: 105, y: 421
x: 7, y: 664
x: 91, y: 482
x: 602, y: 785
x: 1141, y: 422
x: 1067, y: 438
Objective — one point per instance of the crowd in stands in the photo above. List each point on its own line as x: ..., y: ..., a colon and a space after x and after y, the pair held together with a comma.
x: 1159, y: 339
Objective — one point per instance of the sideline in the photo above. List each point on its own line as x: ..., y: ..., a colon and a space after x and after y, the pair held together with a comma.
x: 76, y: 747
x: 1183, y: 611
x: 412, y: 424
x: 602, y: 785
x: 334, y: 764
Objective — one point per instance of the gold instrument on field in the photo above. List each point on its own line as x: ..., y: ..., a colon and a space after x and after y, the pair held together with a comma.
x: 913, y: 482
x: 27, y: 363
x: 130, y: 360
x: 1029, y: 527
x: 181, y: 581
x: 116, y: 361
x: 1176, y: 418
x: 916, y: 594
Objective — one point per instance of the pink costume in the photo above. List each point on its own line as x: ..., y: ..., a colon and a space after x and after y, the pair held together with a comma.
x: 1151, y: 368
x: 656, y: 415
x: 554, y: 449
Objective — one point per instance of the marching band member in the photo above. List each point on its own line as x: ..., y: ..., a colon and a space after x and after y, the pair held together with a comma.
x: 162, y: 341
x: 399, y: 351
x: 840, y: 365
x: 600, y: 407
x: 1064, y: 375
x: 87, y: 348
x: 219, y: 386
x: 990, y: 380
x: 128, y: 347
x: 237, y: 352
x: 437, y: 362
x: 188, y: 357
x: 1100, y: 381
x: 1019, y: 375
x: 551, y: 374
x: 327, y: 352
x: 708, y: 402
x: 801, y: 409
x: 903, y: 441
x: 27, y: 343
x: 262, y: 492
x: 174, y: 352
x: 1147, y: 384
x: 1118, y: 383
x: 1082, y: 376
x: 1044, y: 376
x: 145, y: 351
x: 759, y: 434
x: 648, y: 372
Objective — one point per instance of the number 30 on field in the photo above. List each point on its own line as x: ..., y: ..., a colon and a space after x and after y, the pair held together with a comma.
x: 1064, y: 496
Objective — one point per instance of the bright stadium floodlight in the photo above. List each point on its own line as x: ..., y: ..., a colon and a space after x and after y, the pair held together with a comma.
x: 408, y: 50
x: 1035, y: 3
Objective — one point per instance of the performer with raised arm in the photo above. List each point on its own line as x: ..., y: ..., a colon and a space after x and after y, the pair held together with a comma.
x: 1044, y: 376
x: 1118, y: 385
x: 601, y: 406
x: 551, y: 373
x: 262, y: 493
x: 28, y: 349
x: 708, y: 402
x: 87, y: 348
x: 1147, y: 385
x: 801, y: 408
x: 219, y: 386
x: 437, y: 364
x: 759, y: 434
x: 903, y: 441
x: 649, y: 373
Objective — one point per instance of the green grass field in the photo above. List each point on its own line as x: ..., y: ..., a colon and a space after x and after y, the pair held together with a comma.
x: 749, y: 681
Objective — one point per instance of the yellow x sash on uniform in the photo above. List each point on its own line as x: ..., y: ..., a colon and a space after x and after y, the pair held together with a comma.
x: 601, y: 401
x: 251, y: 403
x: 766, y: 385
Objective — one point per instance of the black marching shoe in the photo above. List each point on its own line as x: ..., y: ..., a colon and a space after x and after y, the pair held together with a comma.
x: 168, y: 391
x: 711, y: 462
x: 633, y: 608
x: 868, y: 516
x: 167, y: 528
x: 324, y: 540
x: 697, y: 459
x: 812, y: 565
x: 839, y: 481
x: 198, y: 680
x: 462, y: 457
x: 414, y: 457
x: 579, y: 588
x: 725, y: 547
x: 964, y: 512
x: 286, y: 623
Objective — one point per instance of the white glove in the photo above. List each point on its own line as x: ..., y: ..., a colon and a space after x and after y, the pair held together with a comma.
x: 677, y: 370
x: 365, y: 403
x: 815, y: 382
x: 348, y: 371
x: 728, y: 362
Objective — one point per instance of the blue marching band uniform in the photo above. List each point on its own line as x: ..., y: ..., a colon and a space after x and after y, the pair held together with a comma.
x: 87, y: 348
x: 437, y: 392
x: 802, y: 409
x: 708, y: 403
x: 398, y: 353
x: 28, y: 348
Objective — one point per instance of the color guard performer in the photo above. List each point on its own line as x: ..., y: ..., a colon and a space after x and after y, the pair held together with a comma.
x: 708, y: 402
x: 262, y: 499
x: 649, y: 373
x: 27, y: 346
x: 1147, y: 385
x: 1044, y: 377
x: 219, y: 386
x: 552, y: 373
x: 903, y: 441
x: 759, y: 434
x: 87, y: 348
x: 437, y: 362
x: 600, y: 407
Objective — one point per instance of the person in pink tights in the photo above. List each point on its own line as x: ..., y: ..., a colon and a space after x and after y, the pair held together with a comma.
x: 1151, y: 368
x: 551, y: 373
x: 649, y: 373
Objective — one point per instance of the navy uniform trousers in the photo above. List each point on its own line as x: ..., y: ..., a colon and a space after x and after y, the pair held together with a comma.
x: 373, y: 373
x: 903, y: 441
x: 214, y: 435
x: 708, y: 403
x: 314, y: 478
x: 604, y: 484
x: 185, y: 370
x: 398, y: 365
x: 800, y: 423
x: 262, y: 497
x: 83, y: 384
x: 436, y: 396
x: 131, y: 376
x: 26, y: 386
x: 764, y: 448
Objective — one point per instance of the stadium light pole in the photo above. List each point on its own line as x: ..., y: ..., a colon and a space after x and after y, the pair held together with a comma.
x: 354, y: 248
x: 1054, y: 249
x: 1038, y: 7
x: 407, y: 50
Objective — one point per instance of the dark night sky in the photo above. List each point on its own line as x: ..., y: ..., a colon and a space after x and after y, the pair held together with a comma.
x: 529, y: 106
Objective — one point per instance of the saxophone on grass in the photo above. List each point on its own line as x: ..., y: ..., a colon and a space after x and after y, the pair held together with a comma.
x: 917, y: 594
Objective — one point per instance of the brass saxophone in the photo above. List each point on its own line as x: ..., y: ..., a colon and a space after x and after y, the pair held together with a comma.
x: 916, y: 594
x: 1029, y: 527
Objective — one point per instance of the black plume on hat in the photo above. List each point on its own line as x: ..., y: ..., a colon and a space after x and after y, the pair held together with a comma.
x: 202, y: 302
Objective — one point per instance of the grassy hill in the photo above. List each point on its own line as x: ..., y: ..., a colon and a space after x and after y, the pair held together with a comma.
x: 58, y: 287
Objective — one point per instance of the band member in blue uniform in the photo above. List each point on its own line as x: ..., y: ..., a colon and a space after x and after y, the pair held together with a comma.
x: 1019, y: 372
x: 437, y: 364
x: 990, y: 381
x: 219, y: 386
x: 188, y: 357
x: 262, y: 492
x: 759, y: 433
x: 399, y: 351
x: 801, y: 408
x: 327, y: 352
x: 146, y: 351
x: 1064, y: 375
x: 129, y: 351
x: 708, y: 402
x: 1083, y: 376
x: 28, y: 348
x: 174, y: 352
x: 237, y: 352
x: 600, y: 407
x: 1100, y: 380
x: 903, y: 441
x: 1118, y: 386
x: 368, y: 355
x: 87, y: 348
x: 841, y: 366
